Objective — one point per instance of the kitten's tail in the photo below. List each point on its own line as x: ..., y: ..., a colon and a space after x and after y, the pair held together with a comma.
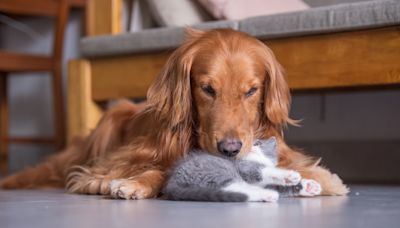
x: 202, y: 194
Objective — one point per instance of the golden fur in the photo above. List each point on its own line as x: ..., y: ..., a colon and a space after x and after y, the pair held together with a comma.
x: 136, y: 144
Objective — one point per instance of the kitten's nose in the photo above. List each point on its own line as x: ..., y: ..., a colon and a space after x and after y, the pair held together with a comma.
x: 229, y: 147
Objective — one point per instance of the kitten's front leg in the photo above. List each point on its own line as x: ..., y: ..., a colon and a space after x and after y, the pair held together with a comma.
x: 262, y: 175
x: 258, y: 168
x: 277, y: 176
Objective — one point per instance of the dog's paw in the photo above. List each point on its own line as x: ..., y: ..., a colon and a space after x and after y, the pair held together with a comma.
x: 292, y: 178
x: 129, y: 189
x: 310, y: 188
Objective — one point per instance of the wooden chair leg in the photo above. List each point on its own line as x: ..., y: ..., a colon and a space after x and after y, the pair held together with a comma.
x: 3, y: 124
x: 58, y: 105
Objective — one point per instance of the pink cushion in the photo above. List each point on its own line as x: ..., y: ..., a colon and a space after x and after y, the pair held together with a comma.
x: 239, y: 9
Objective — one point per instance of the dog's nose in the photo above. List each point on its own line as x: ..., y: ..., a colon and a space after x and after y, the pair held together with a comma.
x: 229, y: 147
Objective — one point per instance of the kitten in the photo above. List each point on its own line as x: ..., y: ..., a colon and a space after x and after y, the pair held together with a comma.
x: 205, y: 177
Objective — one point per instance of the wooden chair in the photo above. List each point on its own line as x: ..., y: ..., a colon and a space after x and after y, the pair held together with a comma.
x: 16, y: 63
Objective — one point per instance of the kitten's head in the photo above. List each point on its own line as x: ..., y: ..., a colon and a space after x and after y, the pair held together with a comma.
x: 269, y: 148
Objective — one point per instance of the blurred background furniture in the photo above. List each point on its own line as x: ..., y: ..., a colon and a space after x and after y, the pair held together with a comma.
x: 123, y: 64
x: 12, y: 62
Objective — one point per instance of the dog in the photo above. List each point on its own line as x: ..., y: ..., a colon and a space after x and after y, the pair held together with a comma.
x: 219, y: 91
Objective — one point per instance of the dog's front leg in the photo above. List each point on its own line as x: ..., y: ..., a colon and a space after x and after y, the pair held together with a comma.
x: 142, y: 186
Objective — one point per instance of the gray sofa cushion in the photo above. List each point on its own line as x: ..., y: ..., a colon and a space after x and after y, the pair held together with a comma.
x: 319, y: 3
x: 353, y: 16
x: 145, y: 41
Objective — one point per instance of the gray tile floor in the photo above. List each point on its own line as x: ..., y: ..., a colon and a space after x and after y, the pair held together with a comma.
x: 366, y: 206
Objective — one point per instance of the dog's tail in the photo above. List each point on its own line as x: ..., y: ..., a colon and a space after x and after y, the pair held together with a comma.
x: 48, y: 174
x: 53, y: 172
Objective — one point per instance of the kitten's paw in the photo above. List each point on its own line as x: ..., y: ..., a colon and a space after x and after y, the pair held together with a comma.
x: 129, y: 189
x: 292, y: 178
x: 264, y: 195
x: 271, y: 197
x: 310, y: 188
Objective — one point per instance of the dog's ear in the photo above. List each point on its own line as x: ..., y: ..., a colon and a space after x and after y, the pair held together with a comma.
x: 277, y: 98
x: 170, y: 94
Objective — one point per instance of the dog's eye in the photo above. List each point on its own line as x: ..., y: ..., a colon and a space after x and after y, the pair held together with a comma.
x: 208, y: 90
x: 251, y: 92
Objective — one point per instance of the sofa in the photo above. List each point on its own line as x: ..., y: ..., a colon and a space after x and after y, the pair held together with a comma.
x: 335, y: 45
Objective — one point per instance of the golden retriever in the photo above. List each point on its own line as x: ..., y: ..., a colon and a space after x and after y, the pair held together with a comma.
x: 220, y: 90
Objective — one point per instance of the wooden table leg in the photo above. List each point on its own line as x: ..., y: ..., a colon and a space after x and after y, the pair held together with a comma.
x: 83, y: 112
x: 58, y: 102
x: 3, y: 124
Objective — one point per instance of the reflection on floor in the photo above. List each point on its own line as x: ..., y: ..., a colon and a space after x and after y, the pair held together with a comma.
x: 365, y: 206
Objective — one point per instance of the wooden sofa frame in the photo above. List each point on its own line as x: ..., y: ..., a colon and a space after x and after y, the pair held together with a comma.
x: 365, y: 58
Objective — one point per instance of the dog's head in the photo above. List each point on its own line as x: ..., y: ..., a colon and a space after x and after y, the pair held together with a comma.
x: 226, y: 85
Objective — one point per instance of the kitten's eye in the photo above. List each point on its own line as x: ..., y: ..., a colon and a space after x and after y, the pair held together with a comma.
x: 251, y: 92
x: 208, y: 90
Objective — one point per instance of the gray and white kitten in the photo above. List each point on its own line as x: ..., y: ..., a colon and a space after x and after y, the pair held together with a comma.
x: 205, y: 177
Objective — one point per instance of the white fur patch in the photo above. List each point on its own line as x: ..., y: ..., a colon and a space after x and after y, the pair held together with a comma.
x: 257, y: 155
x: 254, y: 193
